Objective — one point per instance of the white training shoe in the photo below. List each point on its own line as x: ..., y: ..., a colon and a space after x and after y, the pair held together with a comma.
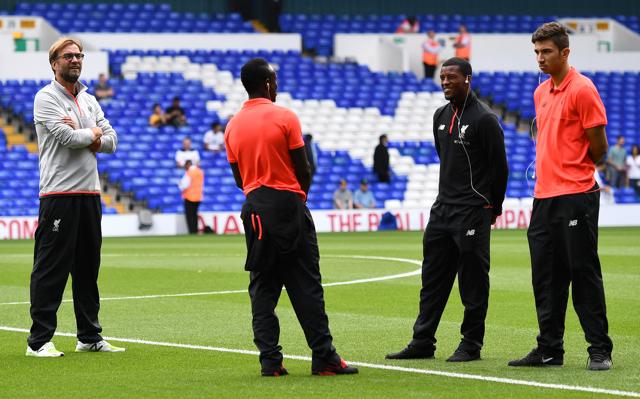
x: 102, y: 346
x: 46, y: 350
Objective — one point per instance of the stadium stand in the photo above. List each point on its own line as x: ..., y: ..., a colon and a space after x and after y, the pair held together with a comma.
x: 318, y: 30
x: 345, y: 127
x: 131, y: 17
x: 345, y: 106
x: 326, y: 119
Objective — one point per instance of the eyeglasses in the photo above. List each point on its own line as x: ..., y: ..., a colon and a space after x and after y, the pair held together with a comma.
x: 71, y: 56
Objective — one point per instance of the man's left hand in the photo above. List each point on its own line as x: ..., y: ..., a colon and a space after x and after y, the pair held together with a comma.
x: 95, y: 146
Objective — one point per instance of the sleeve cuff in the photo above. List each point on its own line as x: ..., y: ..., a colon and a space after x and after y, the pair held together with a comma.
x: 86, y: 136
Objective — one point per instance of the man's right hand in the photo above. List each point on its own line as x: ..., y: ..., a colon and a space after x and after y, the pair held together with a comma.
x: 68, y: 121
x: 97, y: 133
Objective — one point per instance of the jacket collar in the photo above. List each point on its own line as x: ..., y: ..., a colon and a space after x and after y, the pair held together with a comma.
x: 471, y: 99
x: 256, y: 101
x: 565, y: 82
x: 80, y: 88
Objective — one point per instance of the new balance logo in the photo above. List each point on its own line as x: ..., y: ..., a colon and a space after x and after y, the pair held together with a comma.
x: 441, y: 127
x: 56, y: 225
x: 471, y: 232
x: 573, y: 223
x: 96, y: 347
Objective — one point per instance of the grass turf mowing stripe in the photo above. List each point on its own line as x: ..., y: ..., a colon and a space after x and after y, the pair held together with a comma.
x: 350, y: 282
x: 500, y: 380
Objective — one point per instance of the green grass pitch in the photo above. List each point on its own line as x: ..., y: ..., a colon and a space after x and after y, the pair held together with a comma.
x: 367, y: 320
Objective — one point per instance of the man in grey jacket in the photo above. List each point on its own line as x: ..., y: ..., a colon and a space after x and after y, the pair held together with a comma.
x: 71, y: 128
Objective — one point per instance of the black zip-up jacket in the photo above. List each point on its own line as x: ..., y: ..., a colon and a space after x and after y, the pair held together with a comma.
x: 482, y: 136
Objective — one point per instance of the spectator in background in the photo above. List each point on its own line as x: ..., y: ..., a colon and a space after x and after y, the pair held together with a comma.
x: 175, y: 114
x: 606, y: 192
x: 103, y: 90
x: 409, y: 25
x: 381, y: 160
x: 312, y: 154
x: 157, y: 118
x: 633, y: 168
x: 363, y: 197
x: 273, y: 10
x: 192, y: 185
x: 430, y: 50
x: 186, y: 153
x: 462, y: 43
x: 342, y: 197
x: 214, y: 139
x: 616, y: 159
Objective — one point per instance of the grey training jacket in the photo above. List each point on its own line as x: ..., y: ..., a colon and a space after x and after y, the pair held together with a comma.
x: 67, y: 166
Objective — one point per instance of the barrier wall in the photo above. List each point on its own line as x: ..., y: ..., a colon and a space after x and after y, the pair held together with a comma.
x: 490, y: 52
x: 193, y: 41
x: 30, y: 27
x: 35, y: 65
x: 612, y: 35
x: 331, y: 221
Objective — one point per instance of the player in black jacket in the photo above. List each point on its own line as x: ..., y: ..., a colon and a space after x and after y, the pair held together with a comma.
x: 473, y: 181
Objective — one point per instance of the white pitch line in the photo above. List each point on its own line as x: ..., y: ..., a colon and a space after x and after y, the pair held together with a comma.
x: 465, y: 376
x: 122, y: 298
x: 187, y: 294
x: 382, y: 278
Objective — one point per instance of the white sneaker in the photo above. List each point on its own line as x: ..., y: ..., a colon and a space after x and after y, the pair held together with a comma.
x: 102, y: 346
x: 46, y: 350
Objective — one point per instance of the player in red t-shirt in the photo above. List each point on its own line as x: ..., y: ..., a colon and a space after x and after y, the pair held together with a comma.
x: 563, y: 233
x: 269, y: 163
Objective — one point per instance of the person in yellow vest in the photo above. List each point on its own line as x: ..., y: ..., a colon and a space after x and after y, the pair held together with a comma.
x: 430, y: 50
x: 192, y: 184
x: 462, y: 44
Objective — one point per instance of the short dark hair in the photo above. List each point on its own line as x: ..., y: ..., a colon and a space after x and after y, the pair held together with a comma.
x: 382, y: 137
x: 214, y: 124
x: 461, y: 63
x: 254, y: 73
x: 176, y: 98
x: 553, y: 31
x: 154, y: 106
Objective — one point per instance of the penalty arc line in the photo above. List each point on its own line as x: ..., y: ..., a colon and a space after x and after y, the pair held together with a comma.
x: 477, y: 377
x: 207, y: 293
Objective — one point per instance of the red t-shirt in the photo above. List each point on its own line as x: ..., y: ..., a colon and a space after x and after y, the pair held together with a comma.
x: 258, y: 139
x: 563, y: 165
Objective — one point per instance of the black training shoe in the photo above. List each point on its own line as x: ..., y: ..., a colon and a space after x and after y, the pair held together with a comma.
x: 464, y: 355
x: 412, y: 352
x: 599, y: 362
x: 535, y: 358
x: 336, y: 369
x: 277, y: 372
